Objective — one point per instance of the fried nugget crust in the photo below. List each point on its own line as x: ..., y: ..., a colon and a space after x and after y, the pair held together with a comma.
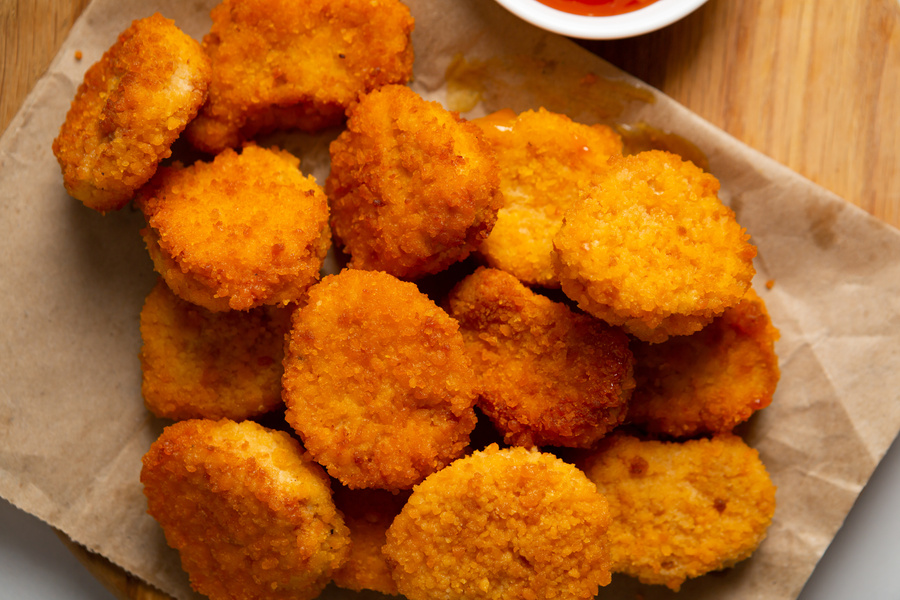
x: 368, y: 514
x: 413, y: 188
x: 548, y: 376
x: 680, y: 510
x: 131, y: 106
x: 545, y: 159
x: 651, y: 247
x: 506, y: 524
x: 250, y: 514
x: 199, y: 364
x: 242, y: 231
x: 289, y: 64
x: 710, y: 381
x: 377, y: 381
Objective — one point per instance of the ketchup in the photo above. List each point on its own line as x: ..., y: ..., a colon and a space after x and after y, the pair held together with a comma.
x: 597, y: 8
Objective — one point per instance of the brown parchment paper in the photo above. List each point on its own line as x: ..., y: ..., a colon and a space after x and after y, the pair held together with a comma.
x: 72, y: 423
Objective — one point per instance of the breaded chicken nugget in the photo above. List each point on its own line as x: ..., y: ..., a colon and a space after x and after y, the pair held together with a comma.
x: 368, y: 514
x: 680, y: 510
x: 242, y: 231
x: 652, y: 248
x: 250, y: 514
x: 545, y: 159
x: 413, y: 188
x: 501, y: 525
x: 710, y: 381
x: 201, y: 364
x: 548, y: 376
x: 132, y: 105
x: 377, y: 381
x: 297, y: 64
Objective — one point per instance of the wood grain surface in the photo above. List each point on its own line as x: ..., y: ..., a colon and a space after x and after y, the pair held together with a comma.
x: 814, y: 85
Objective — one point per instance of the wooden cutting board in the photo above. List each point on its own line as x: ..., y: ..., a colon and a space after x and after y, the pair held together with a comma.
x: 814, y: 85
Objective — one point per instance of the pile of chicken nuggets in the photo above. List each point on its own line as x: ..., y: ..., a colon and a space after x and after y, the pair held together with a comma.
x: 565, y: 412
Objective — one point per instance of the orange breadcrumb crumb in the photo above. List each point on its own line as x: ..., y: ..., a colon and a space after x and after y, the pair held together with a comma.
x: 548, y: 376
x: 130, y: 108
x: 250, y: 514
x: 681, y: 510
x: 508, y: 524
x: 651, y: 247
x: 377, y: 382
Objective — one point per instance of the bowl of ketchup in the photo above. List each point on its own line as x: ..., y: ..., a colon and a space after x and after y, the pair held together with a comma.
x: 601, y: 19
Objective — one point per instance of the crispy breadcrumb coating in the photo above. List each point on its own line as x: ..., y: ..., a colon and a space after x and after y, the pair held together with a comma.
x: 548, y: 376
x: 652, y: 248
x: 131, y: 106
x: 545, y: 159
x: 507, y: 524
x: 368, y: 514
x: 242, y: 231
x: 297, y: 64
x: 201, y: 364
x: 250, y: 514
x: 413, y: 188
x: 710, y: 381
x: 681, y: 510
x: 377, y: 381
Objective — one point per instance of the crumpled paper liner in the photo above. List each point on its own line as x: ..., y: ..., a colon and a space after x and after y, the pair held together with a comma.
x: 73, y: 427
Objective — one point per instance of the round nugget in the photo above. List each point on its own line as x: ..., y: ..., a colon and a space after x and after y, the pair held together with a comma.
x: 131, y: 106
x: 651, y: 247
x: 250, y: 514
x: 377, y: 381
x: 199, y: 364
x: 297, y: 64
x: 681, y: 510
x: 710, y: 381
x: 548, y: 376
x: 545, y: 159
x: 242, y: 231
x: 413, y: 188
x: 501, y: 525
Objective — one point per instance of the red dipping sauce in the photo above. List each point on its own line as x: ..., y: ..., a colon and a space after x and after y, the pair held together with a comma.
x: 597, y: 8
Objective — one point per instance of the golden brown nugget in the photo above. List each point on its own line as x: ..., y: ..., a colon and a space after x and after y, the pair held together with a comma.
x: 507, y: 524
x: 545, y: 159
x: 651, y: 247
x: 710, y: 381
x: 680, y: 510
x: 368, y: 514
x: 413, y: 188
x: 250, y: 514
x: 131, y: 106
x: 200, y: 364
x: 242, y: 231
x: 377, y: 381
x: 297, y: 64
x: 548, y: 376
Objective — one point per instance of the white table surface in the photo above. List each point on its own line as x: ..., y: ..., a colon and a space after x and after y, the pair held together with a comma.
x: 863, y: 562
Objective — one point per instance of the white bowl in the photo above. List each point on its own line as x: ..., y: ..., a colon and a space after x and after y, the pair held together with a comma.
x: 644, y: 20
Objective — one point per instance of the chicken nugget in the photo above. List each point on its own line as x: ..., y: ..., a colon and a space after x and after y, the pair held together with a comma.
x: 368, y: 514
x: 377, y: 381
x: 201, y: 364
x: 545, y: 159
x: 297, y: 64
x: 651, y: 247
x: 681, y: 510
x: 548, y: 376
x: 506, y: 524
x: 413, y: 188
x: 710, y: 381
x: 250, y: 514
x: 130, y: 108
x: 242, y: 231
